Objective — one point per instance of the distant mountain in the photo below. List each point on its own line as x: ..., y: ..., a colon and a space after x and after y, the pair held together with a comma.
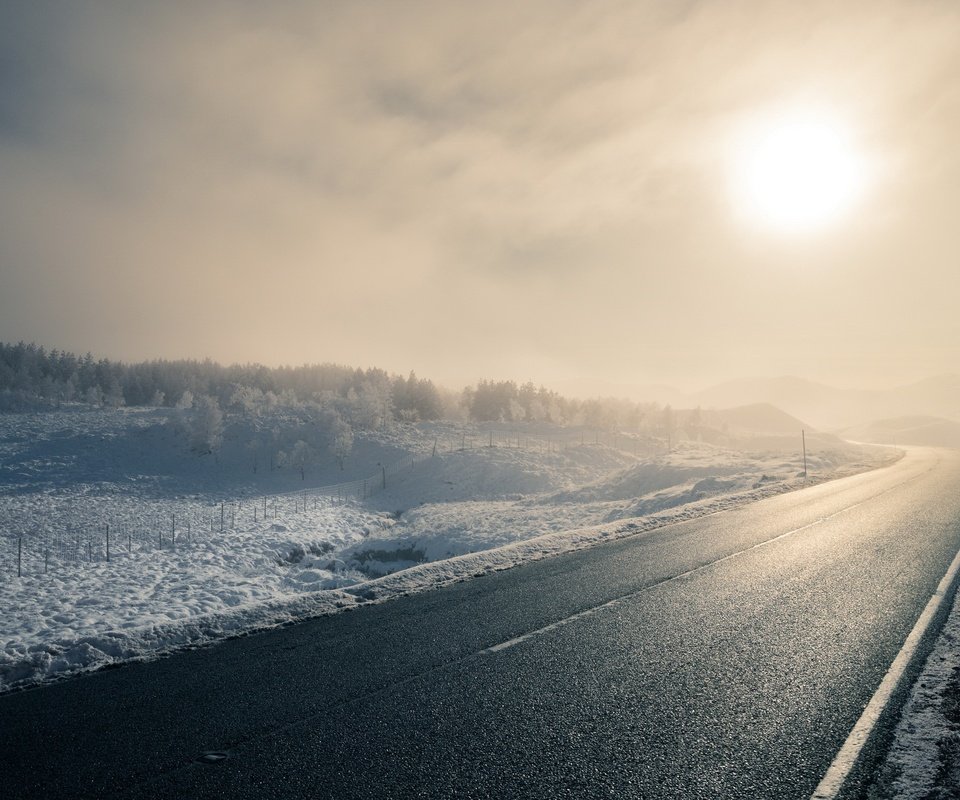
x: 824, y: 407
x: 938, y: 396
x: 760, y: 418
x: 830, y: 408
x: 919, y: 430
x: 797, y: 396
x: 759, y: 427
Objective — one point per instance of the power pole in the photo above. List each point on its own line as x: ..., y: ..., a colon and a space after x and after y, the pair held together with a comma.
x: 803, y: 441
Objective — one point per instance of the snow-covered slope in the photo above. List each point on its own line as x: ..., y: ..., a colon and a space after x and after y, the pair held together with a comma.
x: 692, y: 472
x: 184, y: 569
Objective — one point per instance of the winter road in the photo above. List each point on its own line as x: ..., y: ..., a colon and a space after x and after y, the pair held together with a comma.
x: 740, y: 651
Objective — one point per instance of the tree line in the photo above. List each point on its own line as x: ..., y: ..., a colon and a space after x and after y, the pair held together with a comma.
x: 364, y: 399
x: 30, y: 376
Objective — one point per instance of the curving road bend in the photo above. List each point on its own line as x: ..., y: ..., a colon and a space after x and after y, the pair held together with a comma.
x: 726, y: 657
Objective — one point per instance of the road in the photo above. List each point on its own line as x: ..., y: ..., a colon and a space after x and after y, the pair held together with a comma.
x: 726, y: 657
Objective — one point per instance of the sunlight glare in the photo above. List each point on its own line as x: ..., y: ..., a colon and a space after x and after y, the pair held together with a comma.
x: 796, y: 173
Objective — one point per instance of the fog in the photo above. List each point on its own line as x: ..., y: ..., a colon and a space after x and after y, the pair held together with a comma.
x: 529, y: 191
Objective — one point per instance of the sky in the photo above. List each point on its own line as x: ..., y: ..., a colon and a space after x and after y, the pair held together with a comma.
x: 550, y: 191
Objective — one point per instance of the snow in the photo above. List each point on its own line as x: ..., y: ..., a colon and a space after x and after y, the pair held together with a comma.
x: 923, y: 756
x: 175, y: 579
x: 438, y: 528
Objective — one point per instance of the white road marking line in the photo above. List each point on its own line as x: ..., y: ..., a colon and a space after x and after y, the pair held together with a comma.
x: 618, y: 600
x: 843, y: 762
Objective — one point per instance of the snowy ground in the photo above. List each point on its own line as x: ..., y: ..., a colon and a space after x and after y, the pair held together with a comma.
x: 924, y: 761
x: 176, y: 579
x: 486, y: 499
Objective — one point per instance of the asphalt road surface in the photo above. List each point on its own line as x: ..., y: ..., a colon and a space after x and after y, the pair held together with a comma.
x: 726, y: 657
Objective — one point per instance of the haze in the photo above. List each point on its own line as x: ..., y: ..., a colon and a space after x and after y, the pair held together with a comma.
x: 534, y: 190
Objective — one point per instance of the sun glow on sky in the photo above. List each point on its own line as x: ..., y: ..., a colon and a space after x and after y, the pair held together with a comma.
x: 493, y: 190
x: 797, y: 172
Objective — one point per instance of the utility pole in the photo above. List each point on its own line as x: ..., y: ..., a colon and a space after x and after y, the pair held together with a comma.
x: 803, y: 441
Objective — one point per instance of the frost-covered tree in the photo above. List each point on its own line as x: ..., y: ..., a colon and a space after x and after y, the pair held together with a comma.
x: 69, y: 391
x: 416, y: 399
x: 114, y: 395
x: 300, y: 456
x: 205, y: 425
x: 93, y: 396
x: 369, y: 407
x: 342, y: 442
x: 490, y: 401
x: 248, y: 400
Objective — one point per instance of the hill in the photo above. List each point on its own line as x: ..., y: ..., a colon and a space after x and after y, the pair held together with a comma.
x: 830, y: 408
x: 760, y: 418
x: 916, y: 430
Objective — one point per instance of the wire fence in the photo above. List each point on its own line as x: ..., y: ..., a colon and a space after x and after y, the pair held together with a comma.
x: 146, y: 528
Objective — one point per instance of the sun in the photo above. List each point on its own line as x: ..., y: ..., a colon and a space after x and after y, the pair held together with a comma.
x: 796, y: 172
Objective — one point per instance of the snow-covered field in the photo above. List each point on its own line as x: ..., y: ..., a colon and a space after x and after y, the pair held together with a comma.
x: 178, y: 577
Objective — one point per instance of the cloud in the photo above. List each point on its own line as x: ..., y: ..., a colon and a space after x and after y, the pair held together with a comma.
x: 357, y: 182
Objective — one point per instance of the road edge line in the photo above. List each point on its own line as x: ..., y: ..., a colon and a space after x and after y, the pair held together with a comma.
x: 846, y: 758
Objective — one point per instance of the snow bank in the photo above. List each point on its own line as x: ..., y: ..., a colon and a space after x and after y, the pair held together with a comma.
x: 923, y: 762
